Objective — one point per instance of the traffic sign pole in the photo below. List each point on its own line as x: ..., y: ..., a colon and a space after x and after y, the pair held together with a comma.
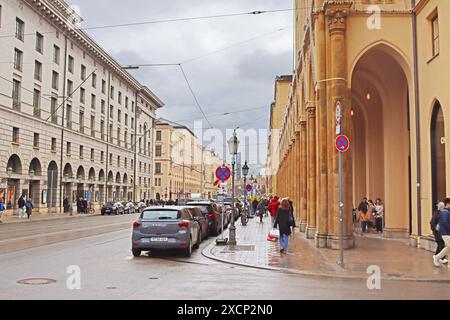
x: 342, y: 145
x: 341, y: 212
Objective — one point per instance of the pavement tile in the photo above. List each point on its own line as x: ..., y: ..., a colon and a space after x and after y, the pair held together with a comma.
x: 396, y: 258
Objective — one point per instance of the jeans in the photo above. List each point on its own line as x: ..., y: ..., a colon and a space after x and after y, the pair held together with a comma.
x: 439, y: 241
x: 379, y: 224
x: 446, y: 250
x: 363, y: 226
x: 284, y: 239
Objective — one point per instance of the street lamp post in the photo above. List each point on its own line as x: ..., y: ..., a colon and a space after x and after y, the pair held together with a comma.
x: 233, y: 145
x: 245, y: 170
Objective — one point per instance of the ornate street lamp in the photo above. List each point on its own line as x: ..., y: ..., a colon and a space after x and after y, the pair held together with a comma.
x: 245, y: 170
x: 233, y: 146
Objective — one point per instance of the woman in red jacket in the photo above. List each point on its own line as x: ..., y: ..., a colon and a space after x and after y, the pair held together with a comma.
x: 273, y: 207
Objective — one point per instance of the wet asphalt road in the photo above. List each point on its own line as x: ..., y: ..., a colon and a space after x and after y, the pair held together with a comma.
x: 108, y: 270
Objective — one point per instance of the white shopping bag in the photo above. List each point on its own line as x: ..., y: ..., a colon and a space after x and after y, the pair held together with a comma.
x: 274, y: 233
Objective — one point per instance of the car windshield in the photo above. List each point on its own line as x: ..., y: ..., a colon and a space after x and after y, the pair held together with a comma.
x: 161, y: 215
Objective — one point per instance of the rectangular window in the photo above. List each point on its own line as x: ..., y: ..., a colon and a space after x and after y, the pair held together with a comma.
x: 69, y: 116
x: 102, y: 130
x: 93, y: 101
x: 125, y: 138
x: 132, y: 123
x: 102, y: 156
x: 69, y: 88
x: 81, y: 152
x: 118, y: 137
x: 36, y: 140
x: 39, y: 42
x: 118, y: 161
x: 103, y: 106
x: 158, y: 151
x: 37, y: 71
x: 82, y: 95
x: 16, y: 94
x: 435, y: 34
x: 93, y: 126
x: 54, y: 114
x: 37, y: 103
x: 0, y: 15
x: 120, y: 97
x: 94, y: 80
x: 56, y: 54
x: 157, y: 168
x: 111, y: 139
x: 71, y: 64
x: 119, y: 116
x: 53, y: 144
x: 158, y: 136
x: 103, y: 86
x: 18, y: 59
x: 55, y: 80
x: 112, y: 93
x: 83, y: 72
x: 68, y: 148
x: 110, y: 158
x: 92, y: 155
x: 126, y: 119
x: 15, y: 135
x: 81, y: 122
x: 20, y: 29
x: 126, y: 102
x: 111, y: 112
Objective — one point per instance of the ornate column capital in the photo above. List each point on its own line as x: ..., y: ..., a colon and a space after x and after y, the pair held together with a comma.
x: 337, y: 12
x: 311, y: 110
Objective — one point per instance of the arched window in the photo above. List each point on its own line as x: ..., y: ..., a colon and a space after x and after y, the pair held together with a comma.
x: 438, y: 174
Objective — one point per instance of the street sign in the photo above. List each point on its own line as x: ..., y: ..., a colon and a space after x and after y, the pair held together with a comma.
x: 338, y: 129
x: 342, y: 143
x: 223, y: 173
x: 249, y: 188
x: 338, y: 112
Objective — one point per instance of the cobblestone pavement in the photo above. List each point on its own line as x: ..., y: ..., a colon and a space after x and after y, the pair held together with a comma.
x: 395, y: 258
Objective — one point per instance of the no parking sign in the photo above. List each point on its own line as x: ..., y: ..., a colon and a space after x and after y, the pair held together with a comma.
x: 342, y: 143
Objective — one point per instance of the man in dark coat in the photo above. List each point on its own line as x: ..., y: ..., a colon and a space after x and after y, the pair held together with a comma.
x: 283, y: 221
x: 21, y: 204
x: 434, y: 223
x: 443, y: 227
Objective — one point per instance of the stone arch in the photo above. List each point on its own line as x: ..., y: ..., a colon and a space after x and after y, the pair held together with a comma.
x: 35, y: 167
x: 125, y: 178
x: 14, y: 164
x: 101, y: 175
x: 91, y: 175
x: 118, y: 180
x: 437, y: 154
x: 68, y: 171
x: 81, y: 175
x: 110, y: 176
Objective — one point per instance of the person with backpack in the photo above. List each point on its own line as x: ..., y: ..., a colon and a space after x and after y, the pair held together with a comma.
x: 29, y: 207
x: 443, y: 227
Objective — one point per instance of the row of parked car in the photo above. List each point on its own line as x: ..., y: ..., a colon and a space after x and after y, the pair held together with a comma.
x: 179, y: 227
x: 116, y: 208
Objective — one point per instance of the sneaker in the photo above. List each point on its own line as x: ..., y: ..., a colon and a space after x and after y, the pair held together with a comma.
x: 281, y: 250
x: 443, y: 261
x: 436, y: 261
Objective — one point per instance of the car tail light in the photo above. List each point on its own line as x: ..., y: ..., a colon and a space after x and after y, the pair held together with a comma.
x: 184, y: 224
x: 211, y: 216
x: 136, y: 224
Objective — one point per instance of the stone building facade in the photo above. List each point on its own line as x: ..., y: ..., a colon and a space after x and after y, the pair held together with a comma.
x: 386, y: 62
x: 183, y: 167
x: 73, y: 123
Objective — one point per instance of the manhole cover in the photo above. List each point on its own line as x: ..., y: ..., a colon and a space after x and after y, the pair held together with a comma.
x: 36, y: 281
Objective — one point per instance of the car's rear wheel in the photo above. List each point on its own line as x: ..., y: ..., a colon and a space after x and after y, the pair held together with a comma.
x: 199, y: 239
x: 188, y: 251
x: 136, y: 252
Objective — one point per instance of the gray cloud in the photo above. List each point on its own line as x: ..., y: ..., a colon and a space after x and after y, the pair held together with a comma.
x: 241, y: 77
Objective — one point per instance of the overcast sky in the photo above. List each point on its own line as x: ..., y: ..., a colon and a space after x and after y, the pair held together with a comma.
x: 241, y: 77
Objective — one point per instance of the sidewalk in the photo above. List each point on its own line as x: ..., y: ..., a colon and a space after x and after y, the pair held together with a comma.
x: 43, y: 217
x: 396, y: 259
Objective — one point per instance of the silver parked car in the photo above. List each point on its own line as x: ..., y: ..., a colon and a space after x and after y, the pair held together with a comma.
x: 170, y: 227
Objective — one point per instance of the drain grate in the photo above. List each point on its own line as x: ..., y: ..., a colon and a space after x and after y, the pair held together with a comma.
x: 36, y: 281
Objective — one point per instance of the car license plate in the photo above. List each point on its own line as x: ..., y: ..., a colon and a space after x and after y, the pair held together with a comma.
x: 159, y: 239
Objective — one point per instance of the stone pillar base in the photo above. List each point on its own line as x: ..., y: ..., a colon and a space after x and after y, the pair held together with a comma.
x: 392, y: 233
x: 333, y: 242
x: 320, y: 240
x: 302, y: 227
x: 426, y: 243
x: 414, y: 241
x: 310, y: 232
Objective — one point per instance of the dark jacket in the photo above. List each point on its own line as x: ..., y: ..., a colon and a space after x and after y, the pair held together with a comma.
x: 283, y: 221
x: 434, y: 220
x: 292, y: 214
x: 21, y: 202
x: 363, y: 207
x: 444, y: 222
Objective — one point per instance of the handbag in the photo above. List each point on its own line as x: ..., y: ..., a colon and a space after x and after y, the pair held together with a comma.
x: 274, y: 235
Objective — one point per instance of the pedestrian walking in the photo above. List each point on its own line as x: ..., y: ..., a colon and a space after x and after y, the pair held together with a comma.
x: 255, y: 205
x: 29, y: 207
x: 260, y: 209
x: 21, y: 204
x: 283, y: 223
x: 363, y: 209
x: 273, y: 207
x: 443, y: 227
x: 379, y: 213
x: 437, y: 235
x: 66, y: 204
x: 370, y: 215
x: 2, y: 208
x: 292, y: 216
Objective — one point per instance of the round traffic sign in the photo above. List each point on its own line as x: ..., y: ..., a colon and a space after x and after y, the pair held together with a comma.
x: 223, y: 173
x: 342, y: 143
x: 249, y: 188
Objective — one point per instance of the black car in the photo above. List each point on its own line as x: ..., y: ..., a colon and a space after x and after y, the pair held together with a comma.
x: 211, y: 211
x: 201, y: 219
x: 110, y: 208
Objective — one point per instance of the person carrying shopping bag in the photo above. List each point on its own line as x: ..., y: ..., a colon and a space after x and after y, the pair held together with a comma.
x: 283, y: 222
